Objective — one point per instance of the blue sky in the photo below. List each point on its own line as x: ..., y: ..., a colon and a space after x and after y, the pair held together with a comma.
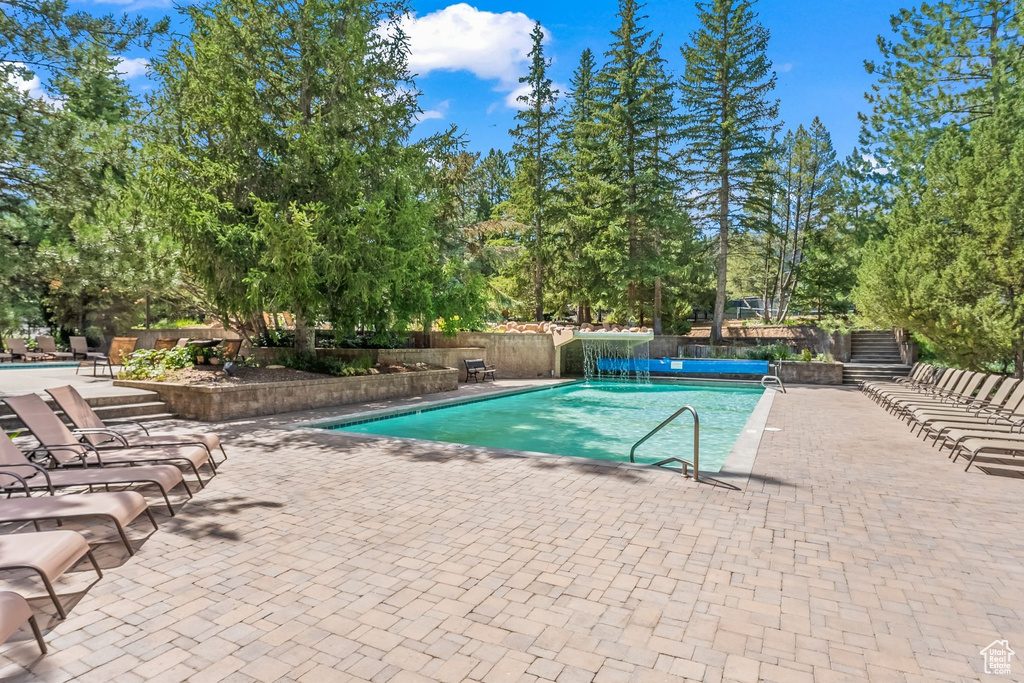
x: 469, y: 55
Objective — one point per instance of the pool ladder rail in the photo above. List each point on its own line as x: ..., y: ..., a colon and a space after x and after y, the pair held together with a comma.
x: 773, y: 378
x: 695, y: 464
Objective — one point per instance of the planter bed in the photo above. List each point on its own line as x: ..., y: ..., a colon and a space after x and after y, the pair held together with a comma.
x: 219, y: 402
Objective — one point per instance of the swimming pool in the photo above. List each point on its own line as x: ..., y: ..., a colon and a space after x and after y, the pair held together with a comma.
x: 587, y: 419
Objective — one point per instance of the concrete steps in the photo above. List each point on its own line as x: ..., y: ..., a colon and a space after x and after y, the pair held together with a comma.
x: 142, y: 406
x: 874, y: 356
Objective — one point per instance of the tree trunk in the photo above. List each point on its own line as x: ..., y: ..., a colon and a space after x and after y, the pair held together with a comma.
x: 538, y: 279
x: 657, y: 305
x: 723, y: 253
x: 305, y: 336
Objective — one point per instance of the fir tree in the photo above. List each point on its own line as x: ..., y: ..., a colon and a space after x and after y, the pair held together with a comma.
x: 639, y: 128
x: 726, y: 91
x: 533, y: 149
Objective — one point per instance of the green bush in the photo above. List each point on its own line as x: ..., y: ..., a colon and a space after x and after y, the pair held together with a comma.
x: 154, y: 365
x: 309, y: 362
x: 807, y: 355
x: 777, y: 351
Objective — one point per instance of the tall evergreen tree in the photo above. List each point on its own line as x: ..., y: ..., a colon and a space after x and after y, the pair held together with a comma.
x: 639, y: 129
x: 726, y: 93
x: 292, y: 184
x: 533, y: 148
x: 580, y: 211
x: 948, y: 61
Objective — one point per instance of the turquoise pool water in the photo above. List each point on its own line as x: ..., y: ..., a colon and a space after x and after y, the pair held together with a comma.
x: 592, y: 420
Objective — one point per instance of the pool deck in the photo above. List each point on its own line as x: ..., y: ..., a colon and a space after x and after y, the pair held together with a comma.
x: 854, y: 553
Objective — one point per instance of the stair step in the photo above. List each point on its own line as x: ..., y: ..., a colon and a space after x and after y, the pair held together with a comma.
x: 131, y: 410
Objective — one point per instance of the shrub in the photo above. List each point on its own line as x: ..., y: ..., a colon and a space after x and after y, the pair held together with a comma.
x: 309, y: 362
x: 153, y: 364
x: 777, y: 351
x: 807, y: 355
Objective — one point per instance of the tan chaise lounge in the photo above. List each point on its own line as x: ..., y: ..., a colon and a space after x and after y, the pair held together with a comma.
x: 18, y: 349
x: 37, y: 477
x: 54, y: 435
x: 49, y: 347
x: 48, y: 553
x: 14, y: 613
x: 120, y: 507
x: 89, y: 424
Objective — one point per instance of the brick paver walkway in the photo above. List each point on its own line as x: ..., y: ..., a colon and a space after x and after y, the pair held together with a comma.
x: 855, y: 553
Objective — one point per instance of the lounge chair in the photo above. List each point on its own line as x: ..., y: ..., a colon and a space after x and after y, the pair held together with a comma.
x: 14, y: 613
x: 917, y: 373
x: 120, y: 348
x: 970, y: 400
x: 54, y: 435
x: 940, y: 380
x: 963, y: 387
x: 478, y: 370
x: 164, y: 344
x: 1001, y: 409
x: 120, y: 507
x: 18, y: 349
x: 80, y: 349
x: 182, y: 342
x: 90, y: 425
x: 948, y: 383
x: 46, y: 345
x: 4, y: 356
x: 974, y: 446
x: 49, y: 554
x: 229, y: 349
x: 37, y: 477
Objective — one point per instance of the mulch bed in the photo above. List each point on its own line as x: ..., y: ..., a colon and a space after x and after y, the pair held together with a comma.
x: 215, y: 375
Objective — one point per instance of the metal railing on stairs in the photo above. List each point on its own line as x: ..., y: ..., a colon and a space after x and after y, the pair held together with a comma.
x: 695, y: 464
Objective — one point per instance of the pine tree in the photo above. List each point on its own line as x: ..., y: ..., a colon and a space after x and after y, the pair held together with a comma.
x: 730, y: 118
x: 533, y: 149
x: 639, y: 128
x: 292, y: 184
x: 950, y: 61
x: 581, y: 215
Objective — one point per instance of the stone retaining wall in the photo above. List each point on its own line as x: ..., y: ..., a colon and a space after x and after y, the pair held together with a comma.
x: 442, y: 357
x: 233, y: 402
x: 801, y: 372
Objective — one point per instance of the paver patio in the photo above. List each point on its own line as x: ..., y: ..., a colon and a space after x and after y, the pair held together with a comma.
x: 856, y: 552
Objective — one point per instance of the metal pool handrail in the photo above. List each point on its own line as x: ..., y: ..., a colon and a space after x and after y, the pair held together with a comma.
x: 696, y: 443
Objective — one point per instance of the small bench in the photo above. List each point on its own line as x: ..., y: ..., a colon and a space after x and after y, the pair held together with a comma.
x: 476, y: 369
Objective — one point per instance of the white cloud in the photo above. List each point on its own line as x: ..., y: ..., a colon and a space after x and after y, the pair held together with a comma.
x: 785, y: 67
x: 437, y: 113
x: 33, y: 87
x: 132, y: 67
x: 491, y: 46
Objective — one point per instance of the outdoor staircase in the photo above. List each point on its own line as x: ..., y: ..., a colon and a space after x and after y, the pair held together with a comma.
x: 143, y: 406
x: 874, y: 356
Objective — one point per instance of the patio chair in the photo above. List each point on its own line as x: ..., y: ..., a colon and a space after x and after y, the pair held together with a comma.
x: 230, y: 348
x: 46, y: 345
x: 1007, y: 417
x: 974, y: 394
x: 119, y: 507
x: 49, y: 554
x: 80, y: 349
x: 182, y: 341
x: 36, y: 477
x: 164, y: 344
x: 15, y: 613
x: 53, y: 434
x: 1005, y: 399
x: 973, y: 446
x: 478, y: 370
x: 946, y: 382
x: 18, y: 349
x: 90, y: 425
x: 961, y: 393
x: 120, y: 348
x: 5, y: 356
